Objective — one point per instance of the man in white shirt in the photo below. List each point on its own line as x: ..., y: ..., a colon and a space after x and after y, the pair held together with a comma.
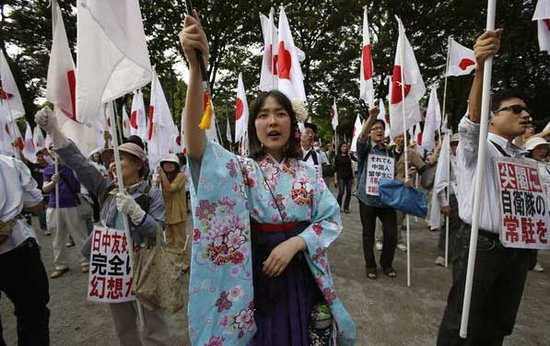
x: 23, y: 278
x: 500, y: 272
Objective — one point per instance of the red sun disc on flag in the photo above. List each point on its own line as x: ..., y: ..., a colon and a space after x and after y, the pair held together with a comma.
x: 465, y: 63
x: 5, y: 95
x: 284, y: 62
x: 239, y: 109
x: 367, y: 62
x: 133, y: 119
x: 178, y: 140
x: 547, y: 22
x: 151, y: 115
x: 396, y: 95
x: 332, y: 113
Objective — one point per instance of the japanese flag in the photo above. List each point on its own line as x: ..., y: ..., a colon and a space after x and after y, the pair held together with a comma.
x: 356, y: 132
x: 433, y: 121
x: 138, y: 119
x: 241, y: 110
x: 462, y: 61
x: 126, y: 128
x: 61, y: 70
x: 418, y: 138
x: 11, y: 99
x: 289, y: 73
x: 406, y: 77
x: 542, y: 16
x: 29, y: 149
x: 268, y: 77
x: 162, y: 131
x: 366, y: 88
x: 112, y: 56
x: 334, y: 115
x: 547, y: 127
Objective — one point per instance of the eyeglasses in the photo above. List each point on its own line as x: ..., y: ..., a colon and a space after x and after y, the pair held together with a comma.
x: 516, y: 109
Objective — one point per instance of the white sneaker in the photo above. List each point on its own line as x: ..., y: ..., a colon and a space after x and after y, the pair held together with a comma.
x: 538, y: 268
x: 440, y: 261
x: 402, y: 247
x: 378, y: 245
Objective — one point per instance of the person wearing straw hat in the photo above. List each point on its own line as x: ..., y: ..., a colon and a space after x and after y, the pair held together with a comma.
x: 141, y: 203
x: 538, y: 149
x: 500, y: 272
x: 172, y: 182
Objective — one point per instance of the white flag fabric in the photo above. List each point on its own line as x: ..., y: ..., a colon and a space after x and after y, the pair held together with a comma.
x: 445, y: 125
x: 366, y: 88
x: 289, y: 73
x: 112, y: 54
x: 383, y: 116
x: 61, y: 70
x: 38, y: 138
x: 268, y: 77
x: 241, y: 110
x: 228, y: 132
x: 13, y: 104
x: 126, y: 127
x: 334, y: 115
x: 244, y: 145
x: 442, y: 175
x: 547, y: 127
x: 462, y: 61
x: 138, y: 119
x: 542, y: 16
x: 356, y: 132
x: 86, y: 138
x: 405, y: 106
x: 433, y: 121
x: 5, y: 138
x: 29, y: 149
x: 162, y: 131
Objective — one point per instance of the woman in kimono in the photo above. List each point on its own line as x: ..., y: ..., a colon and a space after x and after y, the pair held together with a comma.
x: 262, y: 226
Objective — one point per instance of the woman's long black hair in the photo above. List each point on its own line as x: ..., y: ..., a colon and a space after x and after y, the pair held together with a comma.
x: 292, y: 147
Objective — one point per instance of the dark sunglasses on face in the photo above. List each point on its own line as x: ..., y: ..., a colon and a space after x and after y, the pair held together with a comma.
x: 516, y: 109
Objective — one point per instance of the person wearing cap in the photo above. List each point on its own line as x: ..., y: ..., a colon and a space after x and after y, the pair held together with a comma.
x: 70, y: 222
x: 141, y: 203
x: 500, y: 272
x: 538, y: 149
x: 449, y: 207
x: 172, y: 182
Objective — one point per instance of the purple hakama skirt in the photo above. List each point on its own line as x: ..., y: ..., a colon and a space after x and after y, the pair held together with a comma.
x: 283, y: 304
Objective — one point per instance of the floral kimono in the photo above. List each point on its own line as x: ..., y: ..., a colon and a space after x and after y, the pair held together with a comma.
x: 227, y: 192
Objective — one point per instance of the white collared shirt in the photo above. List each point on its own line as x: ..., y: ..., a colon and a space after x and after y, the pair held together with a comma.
x: 18, y: 190
x: 490, y: 216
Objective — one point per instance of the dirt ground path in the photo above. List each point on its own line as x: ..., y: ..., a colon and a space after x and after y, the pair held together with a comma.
x: 385, y: 311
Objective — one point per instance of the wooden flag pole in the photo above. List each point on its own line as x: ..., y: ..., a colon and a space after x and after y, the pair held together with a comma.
x: 482, y: 145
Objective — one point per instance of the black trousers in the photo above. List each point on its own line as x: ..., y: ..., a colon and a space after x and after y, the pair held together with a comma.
x: 389, y: 228
x: 344, y: 185
x: 25, y: 282
x: 454, y: 227
x: 499, y: 278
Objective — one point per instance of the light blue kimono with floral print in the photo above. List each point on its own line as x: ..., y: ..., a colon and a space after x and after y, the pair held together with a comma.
x: 227, y: 191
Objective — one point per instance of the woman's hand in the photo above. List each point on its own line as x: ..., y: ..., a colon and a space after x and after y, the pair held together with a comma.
x: 281, y: 256
x: 192, y: 37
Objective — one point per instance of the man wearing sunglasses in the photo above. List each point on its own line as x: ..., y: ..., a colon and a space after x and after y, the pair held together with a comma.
x: 500, y: 272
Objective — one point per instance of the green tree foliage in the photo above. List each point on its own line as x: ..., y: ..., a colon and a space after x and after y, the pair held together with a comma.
x: 328, y: 31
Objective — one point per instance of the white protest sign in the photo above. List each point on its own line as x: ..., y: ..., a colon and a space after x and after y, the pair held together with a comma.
x: 378, y: 167
x: 523, y: 204
x: 110, y: 279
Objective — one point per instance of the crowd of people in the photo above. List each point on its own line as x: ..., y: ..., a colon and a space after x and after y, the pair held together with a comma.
x: 262, y: 224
